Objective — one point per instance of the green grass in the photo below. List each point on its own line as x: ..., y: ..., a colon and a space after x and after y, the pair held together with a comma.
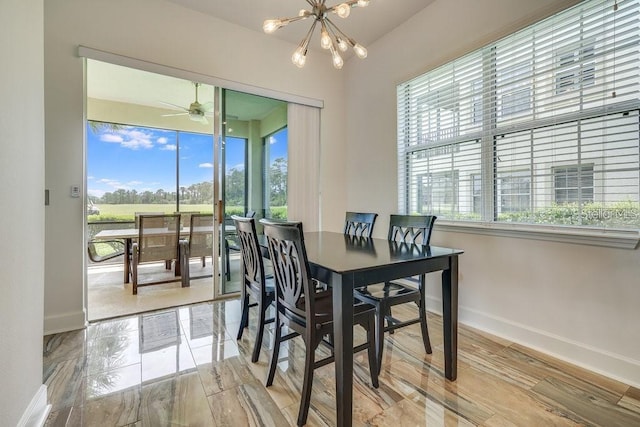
x: 126, y: 212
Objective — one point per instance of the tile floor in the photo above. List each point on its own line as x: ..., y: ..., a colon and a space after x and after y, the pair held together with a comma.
x: 183, y: 367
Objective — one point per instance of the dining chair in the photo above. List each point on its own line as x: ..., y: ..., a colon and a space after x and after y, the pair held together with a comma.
x: 407, y: 229
x: 231, y: 243
x: 158, y: 240
x: 305, y: 311
x: 254, y: 282
x: 199, y: 244
x: 359, y: 224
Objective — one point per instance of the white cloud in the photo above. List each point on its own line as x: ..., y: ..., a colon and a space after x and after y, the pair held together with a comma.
x: 272, y: 140
x: 109, y: 137
x: 162, y: 140
x: 129, y: 138
x: 205, y: 165
x: 169, y: 147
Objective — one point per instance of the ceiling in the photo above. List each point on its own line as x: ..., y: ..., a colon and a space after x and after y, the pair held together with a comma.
x: 365, y: 25
x: 131, y: 86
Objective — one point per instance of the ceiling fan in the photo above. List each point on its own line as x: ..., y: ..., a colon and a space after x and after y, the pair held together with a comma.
x: 196, y: 111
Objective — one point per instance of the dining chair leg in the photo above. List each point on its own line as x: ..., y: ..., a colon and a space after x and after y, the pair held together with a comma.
x: 244, y: 316
x: 423, y: 322
x: 261, y: 323
x: 307, y: 382
x: 374, y: 368
x: 275, y: 352
x: 379, y: 341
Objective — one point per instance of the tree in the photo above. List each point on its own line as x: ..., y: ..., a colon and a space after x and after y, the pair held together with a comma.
x: 278, y: 181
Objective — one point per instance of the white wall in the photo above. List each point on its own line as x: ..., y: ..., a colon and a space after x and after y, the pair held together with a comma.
x: 577, y: 302
x: 159, y: 32
x: 22, y: 195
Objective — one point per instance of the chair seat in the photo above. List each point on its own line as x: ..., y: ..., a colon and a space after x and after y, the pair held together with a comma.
x: 387, y: 290
x: 324, y: 307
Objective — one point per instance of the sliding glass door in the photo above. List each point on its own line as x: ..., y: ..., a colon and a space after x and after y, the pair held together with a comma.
x: 149, y: 150
x: 254, y: 159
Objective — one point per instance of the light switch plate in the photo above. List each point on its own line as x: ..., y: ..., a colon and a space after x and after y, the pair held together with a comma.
x: 75, y: 191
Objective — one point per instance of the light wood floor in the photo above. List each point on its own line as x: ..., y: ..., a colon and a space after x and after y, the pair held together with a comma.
x: 184, y: 367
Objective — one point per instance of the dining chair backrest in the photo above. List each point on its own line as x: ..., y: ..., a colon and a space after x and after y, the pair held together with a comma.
x: 414, y: 229
x: 185, y: 218
x: 295, y: 292
x: 158, y: 237
x: 158, y: 221
x: 252, y: 262
x: 200, y: 234
x: 359, y: 224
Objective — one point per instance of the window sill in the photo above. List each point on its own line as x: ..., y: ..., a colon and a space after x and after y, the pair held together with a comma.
x: 620, y: 239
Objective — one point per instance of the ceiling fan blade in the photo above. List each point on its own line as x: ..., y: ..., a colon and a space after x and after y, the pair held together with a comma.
x: 174, y: 106
x: 207, y: 106
x: 174, y: 114
x: 204, y: 120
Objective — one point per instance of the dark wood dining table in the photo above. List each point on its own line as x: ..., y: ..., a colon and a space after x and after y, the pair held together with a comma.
x: 345, y: 262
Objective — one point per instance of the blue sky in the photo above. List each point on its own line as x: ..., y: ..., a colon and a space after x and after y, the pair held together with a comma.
x: 144, y: 159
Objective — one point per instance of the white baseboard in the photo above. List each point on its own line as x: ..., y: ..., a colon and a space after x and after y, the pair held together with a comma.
x: 614, y: 366
x: 37, y: 411
x: 64, y: 322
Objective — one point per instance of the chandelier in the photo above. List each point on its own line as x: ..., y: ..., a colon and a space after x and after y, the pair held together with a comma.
x: 331, y: 37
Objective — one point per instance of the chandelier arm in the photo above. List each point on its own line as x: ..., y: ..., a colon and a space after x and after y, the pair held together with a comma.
x: 295, y: 18
x: 305, y: 42
x: 350, y: 3
x: 312, y: 4
x: 349, y: 39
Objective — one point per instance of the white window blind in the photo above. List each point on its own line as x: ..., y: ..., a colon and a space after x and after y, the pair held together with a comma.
x: 541, y: 127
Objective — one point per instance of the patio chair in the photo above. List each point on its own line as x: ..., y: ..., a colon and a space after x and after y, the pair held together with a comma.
x: 104, y: 250
x: 199, y: 243
x: 158, y: 240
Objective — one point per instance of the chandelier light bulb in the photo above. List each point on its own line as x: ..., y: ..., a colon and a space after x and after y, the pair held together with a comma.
x: 337, y: 59
x: 325, y: 40
x: 271, y: 25
x: 360, y: 50
x: 363, y: 3
x: 342, y: 45
x: 299, y: 57
x: 342, y: 10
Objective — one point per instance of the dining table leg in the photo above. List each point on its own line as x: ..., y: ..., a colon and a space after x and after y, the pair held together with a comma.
x: 343, y: 347
x: 450, y: 318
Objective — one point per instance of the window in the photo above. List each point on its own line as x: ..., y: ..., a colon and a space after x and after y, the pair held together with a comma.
x: 573, y: 184
x: 537, y: 128
x: 515, y: 192
x: 438, y: 192
x: 575, y: 69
